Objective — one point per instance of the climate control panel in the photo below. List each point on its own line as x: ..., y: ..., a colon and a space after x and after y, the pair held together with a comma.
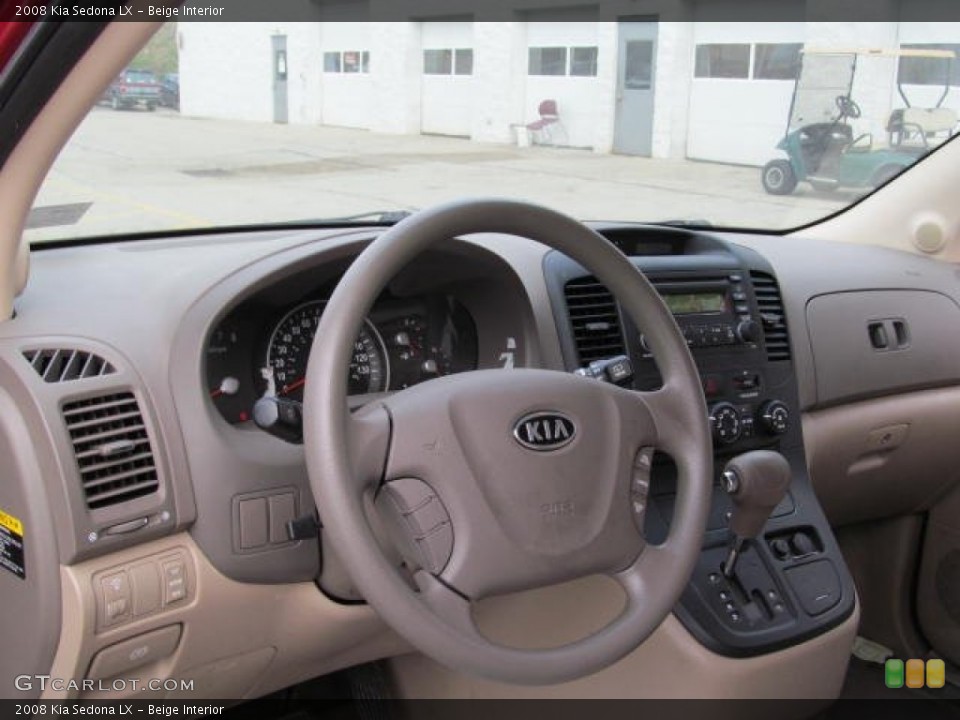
x: 730, y: 423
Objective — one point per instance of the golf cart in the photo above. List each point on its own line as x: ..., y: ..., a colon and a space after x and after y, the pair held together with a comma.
x: 820, y: 144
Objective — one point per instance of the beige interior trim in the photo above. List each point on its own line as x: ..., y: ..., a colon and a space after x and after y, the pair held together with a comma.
x: 32, y: 158
x: 880, y: 458
x: 904, y: 214
x: 238, y: 640
x: 670, y: 664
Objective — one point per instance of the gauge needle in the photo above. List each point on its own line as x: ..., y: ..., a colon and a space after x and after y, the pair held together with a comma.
x: 229, y: 386
x: 292, y: 386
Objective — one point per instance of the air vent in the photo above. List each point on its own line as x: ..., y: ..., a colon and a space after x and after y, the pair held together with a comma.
x: 774, y: 322
x: 594, y: 319
x: 60, y: 364
x: 112, y: 448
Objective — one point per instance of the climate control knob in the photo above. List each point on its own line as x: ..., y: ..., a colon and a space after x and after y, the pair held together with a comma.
x: 748, y: 331
x: 726, y: 423
x: 774, y: 417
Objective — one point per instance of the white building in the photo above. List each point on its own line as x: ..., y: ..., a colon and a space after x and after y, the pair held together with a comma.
x: 717, y: 91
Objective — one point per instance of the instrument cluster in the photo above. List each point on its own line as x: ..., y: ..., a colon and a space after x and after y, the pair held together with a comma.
x: 260, y: 350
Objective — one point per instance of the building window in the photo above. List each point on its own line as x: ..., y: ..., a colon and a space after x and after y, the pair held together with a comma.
x: 638, y: 65
x: 463, y: 61
x: 723, y: 60
x: 553, y: 61
x: 448, y: 61
x: 347, y: 61
x: 548, y: 61
x: 437, y: 62
x: 930, y: 70
x: 351, y: 62
x: 331, y: 62
x: 780, y: 61
x: 583, y: 61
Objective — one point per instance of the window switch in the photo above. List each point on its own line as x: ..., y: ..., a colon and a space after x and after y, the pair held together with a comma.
x: 115, y: 597
x: 174, y: 581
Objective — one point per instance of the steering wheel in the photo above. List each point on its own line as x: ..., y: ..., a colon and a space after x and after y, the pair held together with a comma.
x: 496, y: 481
x: 847, y: 107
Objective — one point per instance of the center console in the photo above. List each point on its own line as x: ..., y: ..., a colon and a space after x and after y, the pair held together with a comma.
x: 790, y: 582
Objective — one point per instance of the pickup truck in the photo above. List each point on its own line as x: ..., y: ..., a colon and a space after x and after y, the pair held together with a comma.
x: 133, y: 88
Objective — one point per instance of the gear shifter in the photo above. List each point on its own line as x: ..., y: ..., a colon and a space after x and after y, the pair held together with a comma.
x: 756, y: 482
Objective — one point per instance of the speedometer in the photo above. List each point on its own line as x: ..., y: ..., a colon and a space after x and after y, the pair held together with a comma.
x: 289, y: 349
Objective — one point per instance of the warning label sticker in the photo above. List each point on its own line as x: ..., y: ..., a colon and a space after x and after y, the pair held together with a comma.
x: 11, y: 544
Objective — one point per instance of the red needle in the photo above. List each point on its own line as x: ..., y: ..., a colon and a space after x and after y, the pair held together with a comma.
x: 292, y: 386
x: 216, y: 393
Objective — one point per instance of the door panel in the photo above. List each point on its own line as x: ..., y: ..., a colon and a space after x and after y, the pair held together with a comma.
x: 635, y: 88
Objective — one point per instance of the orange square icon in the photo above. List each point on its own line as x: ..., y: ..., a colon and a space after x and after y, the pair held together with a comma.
x: 915, y: 673
x: 936, y: 674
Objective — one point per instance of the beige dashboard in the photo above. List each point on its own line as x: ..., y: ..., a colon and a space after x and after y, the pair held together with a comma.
x: 264, y: 625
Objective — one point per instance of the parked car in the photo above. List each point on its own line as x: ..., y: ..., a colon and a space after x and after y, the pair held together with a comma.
x: 170, y: 91
x: 134, y: 88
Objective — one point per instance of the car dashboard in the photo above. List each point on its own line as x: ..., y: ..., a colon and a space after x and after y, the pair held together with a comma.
x: 136, y: 370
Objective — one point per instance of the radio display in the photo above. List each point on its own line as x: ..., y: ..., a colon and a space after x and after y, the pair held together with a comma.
x: 689, y: 303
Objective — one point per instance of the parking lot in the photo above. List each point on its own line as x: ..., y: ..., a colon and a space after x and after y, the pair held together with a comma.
x: 128, y: 171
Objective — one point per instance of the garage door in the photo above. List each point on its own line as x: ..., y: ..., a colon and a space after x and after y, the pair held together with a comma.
x: 447, y: 91
x: 741, y: 91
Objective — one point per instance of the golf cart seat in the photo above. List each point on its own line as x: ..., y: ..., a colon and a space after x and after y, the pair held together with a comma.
x: 822, y: 144
x: 921, y: 125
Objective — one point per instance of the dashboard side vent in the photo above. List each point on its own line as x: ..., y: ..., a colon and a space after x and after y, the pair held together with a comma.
x: 594, y: 319
x: 112, y: 448
x: 772, y: 317
x: 56, y: 365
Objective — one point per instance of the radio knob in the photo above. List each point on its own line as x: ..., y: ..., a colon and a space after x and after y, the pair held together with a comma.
x: 748, y: 331
x: 726, y: 423
x: 774, y: 417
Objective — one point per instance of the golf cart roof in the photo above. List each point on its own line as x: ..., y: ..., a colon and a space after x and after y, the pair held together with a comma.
x: 884, y: 52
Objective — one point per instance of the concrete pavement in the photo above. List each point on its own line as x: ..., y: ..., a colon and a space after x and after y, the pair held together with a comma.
x: 152, y: 171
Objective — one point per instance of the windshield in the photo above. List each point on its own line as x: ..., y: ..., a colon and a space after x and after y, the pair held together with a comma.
x: 743, y: 125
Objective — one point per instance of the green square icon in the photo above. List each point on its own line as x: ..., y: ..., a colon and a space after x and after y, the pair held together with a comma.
x: 893, y: 673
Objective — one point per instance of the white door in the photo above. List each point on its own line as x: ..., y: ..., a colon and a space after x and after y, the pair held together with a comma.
x: 447, y: 97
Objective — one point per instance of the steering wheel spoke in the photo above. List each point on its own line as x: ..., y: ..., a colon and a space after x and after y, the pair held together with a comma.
x: 449, y: 605
x: 369, y: 431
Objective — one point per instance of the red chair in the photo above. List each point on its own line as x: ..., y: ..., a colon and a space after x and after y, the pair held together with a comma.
x: 546, y: 130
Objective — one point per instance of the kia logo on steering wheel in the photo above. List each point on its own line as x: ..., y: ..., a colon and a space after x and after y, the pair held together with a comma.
x: 544, y: 431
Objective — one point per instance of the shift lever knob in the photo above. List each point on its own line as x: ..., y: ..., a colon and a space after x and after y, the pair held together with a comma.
x: 756, y: 482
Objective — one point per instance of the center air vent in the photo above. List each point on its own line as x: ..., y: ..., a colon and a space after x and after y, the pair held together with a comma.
x: 772, y: 317
x: 56, y: 365
x: 112, y: 448
x: 594, y: 320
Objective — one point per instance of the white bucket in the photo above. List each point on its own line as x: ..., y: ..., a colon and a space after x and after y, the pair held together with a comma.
x: 523, y: 136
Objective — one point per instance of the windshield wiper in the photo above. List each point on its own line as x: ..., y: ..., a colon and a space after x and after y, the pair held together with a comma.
x: 374, y: 217
x: 684, y: 223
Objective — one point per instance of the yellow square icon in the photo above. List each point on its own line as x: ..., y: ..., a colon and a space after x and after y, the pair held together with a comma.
x: 915, y: 673
x: 936, y: 674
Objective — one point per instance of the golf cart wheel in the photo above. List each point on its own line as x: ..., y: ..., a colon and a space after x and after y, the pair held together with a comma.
x: 885, y: 175
x: 778, y: 177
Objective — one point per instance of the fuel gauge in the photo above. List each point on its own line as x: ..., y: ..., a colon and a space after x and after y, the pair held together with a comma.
x: 225, y: 361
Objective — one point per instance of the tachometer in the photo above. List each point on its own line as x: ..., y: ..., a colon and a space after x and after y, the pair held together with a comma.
x: 289, y: 349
